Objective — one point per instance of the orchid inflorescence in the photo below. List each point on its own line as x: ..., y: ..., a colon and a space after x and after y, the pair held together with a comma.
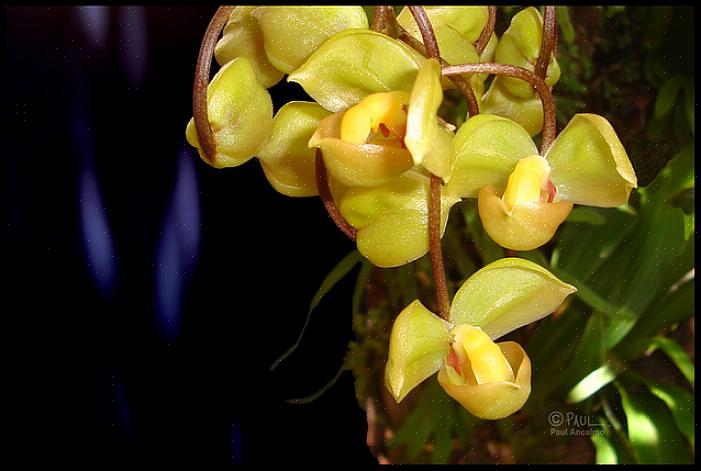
x: 389, y: 168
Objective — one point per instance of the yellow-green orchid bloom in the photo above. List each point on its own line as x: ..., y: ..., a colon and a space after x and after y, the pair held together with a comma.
x: 513, y: 98
x: 523, y: 197
x: 491, y: 380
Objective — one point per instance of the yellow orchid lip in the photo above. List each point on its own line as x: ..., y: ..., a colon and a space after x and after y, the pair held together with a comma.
x: 473, y: 351
x: 384, y: 113
x: 528, y: 183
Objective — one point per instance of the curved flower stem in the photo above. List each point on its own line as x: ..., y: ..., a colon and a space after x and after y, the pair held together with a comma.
x: 549, y: 43
x: 487, y: 31
x: 322, y: 183
x: 546, y: 96
x: 383, y: 20
x: 434, y: 200
x: 205, y: 135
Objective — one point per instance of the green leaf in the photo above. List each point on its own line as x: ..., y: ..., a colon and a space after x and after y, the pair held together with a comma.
x: 651, y: 429
x: 589, y: 164
x: 354, y: 64
x: 689, y: 87
x: 487, y: 148
x: 676, y: 176
x: 335, y: 275
x: 594, y: 381
x: 316, y: 395
x: 670, y: 309
x: 418, y: 345
x: 506, y: 295
x: 487, y: 249
x: 667, y: 96
x: 292, y: 34
x: 565, y: 24
x: 590, y: 353
x: 680, y: 403
x: 592, y: 299
x: 585, y: 215
x: 605, y: 450
x: 678, y: 355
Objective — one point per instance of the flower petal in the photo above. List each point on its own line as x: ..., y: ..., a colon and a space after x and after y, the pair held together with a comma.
x: 355, y: 63
x: 417, y: 345
x: 292, y: 34
x: 358, y: 164
x: 528, y: 112
x: 243, y: 38
x: 520, y: 46
x: 527, y: 227
x: 487, y: 148
x: 492, y: 401
x: 287, y: 160
x: 506, y: 295
x: 430, y: 144
x: 392, y: 219
x: 589, y: 164
x: 240, y: 112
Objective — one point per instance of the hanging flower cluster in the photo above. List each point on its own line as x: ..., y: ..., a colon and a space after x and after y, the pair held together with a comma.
x: 374, y: 123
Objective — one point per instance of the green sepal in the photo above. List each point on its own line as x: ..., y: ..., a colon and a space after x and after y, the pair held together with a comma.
x: 292, y: 34
x: 430, y: 144
x: 243, y: 37
x: 355, y: 63
x: 392, y: 219
x: 520, y: 46
x: 418, y: 344
x: 589, y: 164
x: 487, y: 148
x: 528, y: 112
x: 240, y: 112
x: 506, y: 295
x: 287, y: 160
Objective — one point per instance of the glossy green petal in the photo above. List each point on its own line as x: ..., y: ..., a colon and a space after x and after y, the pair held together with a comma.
x: 392, y: 219
x: 417, y: 345
x: 292, y: 34
x: 487, y: 148
x: 506, y: 295
x: 243, y: 38
x: 240, y: 112
x: 496, y: 400
x: 589, y: 164
x: 528, y: 227
x: 287, y: 160
x: 354, y: 64
x: 528, y: 112
x: 430, y: 144
x: 358, y: 164
x: 468, y: 21
x: 520, y: 46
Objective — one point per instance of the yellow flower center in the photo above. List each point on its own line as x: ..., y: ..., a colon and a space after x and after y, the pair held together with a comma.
x: 487, y: 361
x: 379, y: 112
x: 526, y: 182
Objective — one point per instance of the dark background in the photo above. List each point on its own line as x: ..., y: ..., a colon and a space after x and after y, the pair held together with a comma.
x: 147, y: 293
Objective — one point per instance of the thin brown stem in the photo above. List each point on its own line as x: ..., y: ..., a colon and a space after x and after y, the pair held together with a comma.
x: 434, y: 200
x: 546, y: 96
x: 384, y: 21
x: 322, y: 183
x: 205, y: 135
x: 487, y: 31
x: 549, y: 42
x: 461, y: 83
x: 427, y: 33
x: 434, y: 239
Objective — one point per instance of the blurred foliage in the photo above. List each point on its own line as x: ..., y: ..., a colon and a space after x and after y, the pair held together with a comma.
x: 620, y: 352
